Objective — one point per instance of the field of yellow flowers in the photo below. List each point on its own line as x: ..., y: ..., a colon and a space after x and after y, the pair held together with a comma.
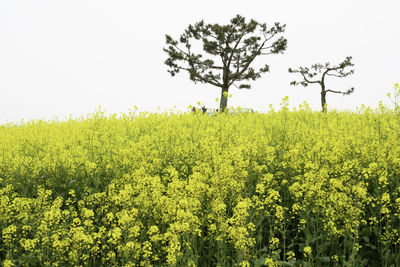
x: 178, y: 189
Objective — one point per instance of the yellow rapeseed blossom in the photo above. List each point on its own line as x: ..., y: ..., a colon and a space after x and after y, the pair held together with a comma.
x: 8, y: 263
x: 307, y: 251
x: 184, y: 189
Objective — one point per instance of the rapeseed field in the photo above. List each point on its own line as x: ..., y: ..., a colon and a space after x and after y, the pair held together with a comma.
x: 283, y: 188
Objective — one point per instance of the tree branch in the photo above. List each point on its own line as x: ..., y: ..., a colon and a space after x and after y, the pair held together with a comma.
x: 217, y: 67
x: 203, y: 79
x: 333, y: 91
x: 180, y: 50
x: 307, y: 79
x: 331, y: 74
x: 238, y: 74
x: 348, y: 92
x: 266, y: 53
x: 234, y: 48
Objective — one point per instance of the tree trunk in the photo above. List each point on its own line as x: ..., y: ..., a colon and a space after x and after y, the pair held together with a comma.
x: 225, y: 87
x: 224, y: 99
x: 323, y: 101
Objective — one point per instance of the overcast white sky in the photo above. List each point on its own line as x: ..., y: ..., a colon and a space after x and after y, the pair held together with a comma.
x: 61, y: 58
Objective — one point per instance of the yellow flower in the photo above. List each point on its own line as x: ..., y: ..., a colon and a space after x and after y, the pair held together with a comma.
x: 270, y: 262
x: 307, y: 251
x: 8, y: 263
x: 290, y: 255
x: 274, y: 242
x: 28, y: 244
x: 8, y: 233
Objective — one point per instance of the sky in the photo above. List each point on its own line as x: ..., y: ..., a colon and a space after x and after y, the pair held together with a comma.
x: 66, y: 58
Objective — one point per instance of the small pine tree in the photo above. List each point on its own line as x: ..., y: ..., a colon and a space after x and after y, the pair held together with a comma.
x: 324, y: 70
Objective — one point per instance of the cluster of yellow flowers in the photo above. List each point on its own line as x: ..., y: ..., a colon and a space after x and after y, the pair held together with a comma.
x: 179, y: 189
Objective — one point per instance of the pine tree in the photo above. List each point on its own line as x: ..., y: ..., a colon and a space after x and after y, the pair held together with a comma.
x: 228, y: 52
